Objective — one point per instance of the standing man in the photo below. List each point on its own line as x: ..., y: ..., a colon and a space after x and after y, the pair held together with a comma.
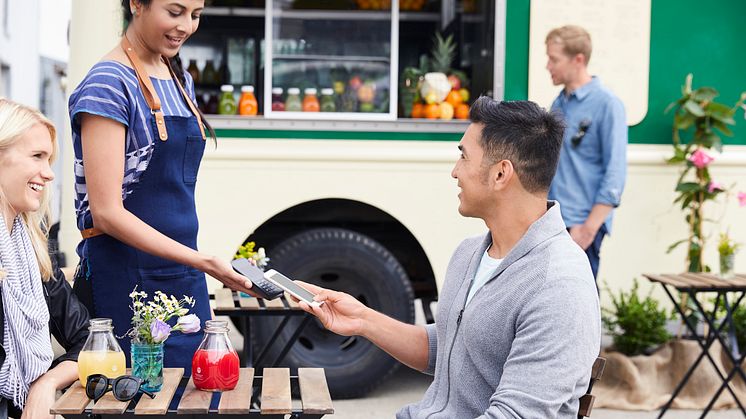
x: 593, y: 161
x: 518, y: 323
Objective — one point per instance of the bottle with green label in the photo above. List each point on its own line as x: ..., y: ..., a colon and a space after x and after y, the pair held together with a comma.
x: 327, y: 100
x: 292, y: 102
x: 227, y: 104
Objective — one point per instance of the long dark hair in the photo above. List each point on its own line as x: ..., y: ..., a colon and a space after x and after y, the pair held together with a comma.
x: 175, y: 62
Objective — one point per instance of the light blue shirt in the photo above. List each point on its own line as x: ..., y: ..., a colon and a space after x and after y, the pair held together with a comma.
x: 486, y: 270
x: 591, y: 170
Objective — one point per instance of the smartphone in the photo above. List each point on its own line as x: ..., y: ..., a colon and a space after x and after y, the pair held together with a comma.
x: 261, y: 287
x: 291, y: 287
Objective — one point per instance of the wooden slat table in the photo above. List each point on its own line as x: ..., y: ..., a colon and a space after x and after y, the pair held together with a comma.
x: 729, y: 293
x: 233, y: 304
x: 275, y: 387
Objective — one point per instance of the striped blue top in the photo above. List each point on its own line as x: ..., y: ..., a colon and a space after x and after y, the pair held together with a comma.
x: 110, y: 89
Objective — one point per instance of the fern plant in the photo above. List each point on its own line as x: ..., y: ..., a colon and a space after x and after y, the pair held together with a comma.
x: 636, y: 324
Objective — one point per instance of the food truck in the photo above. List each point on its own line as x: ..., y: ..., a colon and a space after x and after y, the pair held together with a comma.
x: 337, y: 158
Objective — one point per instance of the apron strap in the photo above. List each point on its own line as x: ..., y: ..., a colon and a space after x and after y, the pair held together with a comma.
x: 186, y: 97
x: 147, y: 89
x: 154, y: 102
x: 88, y: 233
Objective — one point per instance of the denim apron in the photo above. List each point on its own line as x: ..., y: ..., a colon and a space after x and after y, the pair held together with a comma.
x: 164, y: 199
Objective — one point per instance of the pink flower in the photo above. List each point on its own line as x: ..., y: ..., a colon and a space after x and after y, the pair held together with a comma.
x: 742, y: 199
x: 714, y: 186
x: 700, y: 158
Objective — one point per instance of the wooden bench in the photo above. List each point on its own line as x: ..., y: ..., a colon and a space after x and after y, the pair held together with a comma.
x: 245, y: 308
x: 274, y: 389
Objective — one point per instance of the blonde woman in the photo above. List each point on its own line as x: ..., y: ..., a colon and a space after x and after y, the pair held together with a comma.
x: 35, y: 299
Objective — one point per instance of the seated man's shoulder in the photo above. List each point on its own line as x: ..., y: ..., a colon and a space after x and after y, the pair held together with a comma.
x: 567, y: 263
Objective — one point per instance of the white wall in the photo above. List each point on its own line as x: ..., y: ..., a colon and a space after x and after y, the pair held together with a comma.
x: 95, y: 27
x: 19, y: 49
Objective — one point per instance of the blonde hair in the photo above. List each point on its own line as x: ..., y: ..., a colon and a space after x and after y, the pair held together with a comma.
x: 574, y: 39
x: 15, y: 120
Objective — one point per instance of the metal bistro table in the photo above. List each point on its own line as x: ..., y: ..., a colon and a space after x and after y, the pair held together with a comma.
x: 728, y: 295
x: 276, y: 401
x: 230, y: 303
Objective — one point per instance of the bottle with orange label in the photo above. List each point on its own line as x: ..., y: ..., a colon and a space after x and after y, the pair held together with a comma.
x: 310, y: 101
x: 247, y: 105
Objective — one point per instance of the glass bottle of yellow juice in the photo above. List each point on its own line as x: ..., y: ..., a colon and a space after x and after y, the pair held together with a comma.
x: 101, y: 353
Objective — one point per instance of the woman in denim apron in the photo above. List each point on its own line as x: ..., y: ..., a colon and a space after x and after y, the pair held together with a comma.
x: 135, y: 110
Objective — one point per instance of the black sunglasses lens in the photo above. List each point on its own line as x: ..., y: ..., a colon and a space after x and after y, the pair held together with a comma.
x: 126, y: 388
x: 96, y: 386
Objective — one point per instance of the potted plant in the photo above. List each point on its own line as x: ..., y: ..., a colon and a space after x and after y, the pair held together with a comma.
x: 637, y: 325
x: 727, y: 249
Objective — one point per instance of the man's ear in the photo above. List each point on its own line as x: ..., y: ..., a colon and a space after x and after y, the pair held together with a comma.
x: 502, y: 173
x: 580, y: 59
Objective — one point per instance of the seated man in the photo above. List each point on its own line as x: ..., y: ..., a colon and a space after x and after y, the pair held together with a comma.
x: 518, y: 322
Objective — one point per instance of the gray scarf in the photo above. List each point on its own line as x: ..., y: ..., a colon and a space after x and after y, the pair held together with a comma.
x: 26, y: 338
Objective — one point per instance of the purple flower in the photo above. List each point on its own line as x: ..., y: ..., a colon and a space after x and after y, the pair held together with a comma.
x: 160, y: 331
x: 714, y: 186
x: 700, y: 158
x: 189, y: 323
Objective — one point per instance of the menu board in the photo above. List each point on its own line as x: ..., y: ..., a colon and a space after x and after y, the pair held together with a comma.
x: 620, y: 33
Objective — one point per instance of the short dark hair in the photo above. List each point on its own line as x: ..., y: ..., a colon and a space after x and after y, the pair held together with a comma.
x: 524, y: 133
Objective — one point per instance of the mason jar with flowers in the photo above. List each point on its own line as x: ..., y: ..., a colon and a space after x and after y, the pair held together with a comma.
x: 152, y: 323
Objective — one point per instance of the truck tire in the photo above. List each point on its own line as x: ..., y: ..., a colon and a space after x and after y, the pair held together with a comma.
x: 351, y: 262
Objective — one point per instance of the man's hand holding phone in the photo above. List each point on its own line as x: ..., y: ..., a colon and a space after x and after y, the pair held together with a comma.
x: 340, y: 313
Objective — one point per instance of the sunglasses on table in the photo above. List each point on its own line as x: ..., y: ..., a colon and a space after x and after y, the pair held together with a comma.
x: 125, y: 387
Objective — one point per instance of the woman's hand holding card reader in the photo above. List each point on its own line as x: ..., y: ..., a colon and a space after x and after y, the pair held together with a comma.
x: 261, y: 287
x: 291, y: 287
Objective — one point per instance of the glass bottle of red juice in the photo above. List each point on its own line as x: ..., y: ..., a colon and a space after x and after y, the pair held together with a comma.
x: 215, y: 365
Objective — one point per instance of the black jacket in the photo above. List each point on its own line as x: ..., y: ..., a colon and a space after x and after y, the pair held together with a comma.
x: 68, y: 318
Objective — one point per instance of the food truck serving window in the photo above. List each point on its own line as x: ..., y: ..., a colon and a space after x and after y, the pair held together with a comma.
x: 345, y: 59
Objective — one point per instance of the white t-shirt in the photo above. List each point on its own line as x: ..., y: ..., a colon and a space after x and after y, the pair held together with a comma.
x: 486, y: 270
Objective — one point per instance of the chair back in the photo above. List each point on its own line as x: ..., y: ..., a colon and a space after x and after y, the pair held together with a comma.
x: 586, y: 401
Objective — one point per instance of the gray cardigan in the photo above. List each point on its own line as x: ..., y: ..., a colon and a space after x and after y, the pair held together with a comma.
x: 525, y: 344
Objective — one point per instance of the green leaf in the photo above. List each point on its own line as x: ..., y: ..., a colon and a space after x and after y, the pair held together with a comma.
x: 720, y: 109
x: 675, y: 245
x: 722, y: 127
x: 694, y: 108
x: 687, y: 201
x: 704, y: 93
x: 688, y: 187
x: 683, y: 121
x: 671, y: 106
x: 724, y: 119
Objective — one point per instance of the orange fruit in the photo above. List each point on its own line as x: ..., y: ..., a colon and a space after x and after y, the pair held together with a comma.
x: 418, y: 111
x: 462, y: 111
x: 432, y: 111
x: 454, y: 98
